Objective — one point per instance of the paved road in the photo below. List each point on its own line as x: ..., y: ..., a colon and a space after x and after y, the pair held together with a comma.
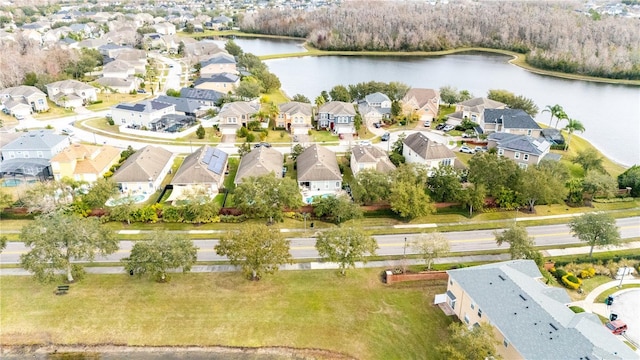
x: 304, y: 247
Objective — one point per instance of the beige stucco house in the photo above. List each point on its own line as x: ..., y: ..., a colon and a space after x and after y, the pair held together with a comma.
x: 369, y: 157
x: 295, y: 117
x: 82, y: 162
x: 419, y: 149
x: 424, y: 103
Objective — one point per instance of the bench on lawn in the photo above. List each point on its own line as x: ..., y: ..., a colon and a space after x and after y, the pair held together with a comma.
x: 62, y: 289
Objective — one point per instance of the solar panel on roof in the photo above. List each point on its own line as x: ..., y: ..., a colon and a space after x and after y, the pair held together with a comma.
x: 207, y: 156
x: 217, y: 161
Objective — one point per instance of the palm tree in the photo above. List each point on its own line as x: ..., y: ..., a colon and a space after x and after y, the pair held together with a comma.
x: 561, y: 116
x: 573, y: 125
x: 320, y: 101
x: 554, y: 111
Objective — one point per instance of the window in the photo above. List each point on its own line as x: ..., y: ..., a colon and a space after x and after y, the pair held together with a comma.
x: 445, y: 162
x: 517, y: 155
x: 506, y: 343
x: 529, y: 132
x: 450, y: 282
x: 525, y: 157
x: 500, y: 152
x: 473, y: 306
x: 337, y: 184
x: 466, y: 319
x: 479, y: 313
x: 40, y: 154
x: 523, y: 166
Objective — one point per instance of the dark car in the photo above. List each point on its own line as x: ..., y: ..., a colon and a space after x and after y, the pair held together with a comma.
x: 141, y: 91
x: 264, y: 144
x: 385, y: 136
x: 377, y: 125
x: 440, y: 126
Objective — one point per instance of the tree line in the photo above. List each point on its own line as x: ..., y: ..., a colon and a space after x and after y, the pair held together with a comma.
x: 554, y: 36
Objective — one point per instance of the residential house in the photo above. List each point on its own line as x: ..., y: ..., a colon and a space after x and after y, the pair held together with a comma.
x: 136, y: 58
x: 118, y: 85
x: 30, y: 154
x: 295, y: 117
x: 554, y: 136
x: 92, y: 43
x: 260, y: 161
x: 337, y: 116
x: 218, y: 64
x: 201, y: 49
x: 141, y: 114
x: 165, y: 28
x: 18, y: 96
x: 82, y: 162
x: 368, y: 157
x: 530, y: 319
x: 110, y: 50
x: 236, y: 114
x: 183, y: 106
x: 201, y: 172
x: 473, y: 109
x: 118, y: 69
x: 143, y: 172
x: 71, y: 93
x: 154, y: 40
x: 224, y: 82
x: 219, y: 23
x: 203, y: 96
x: 318, y: 171
x: 374, y: 108
x: 511, y: 121
x: 524, y: 150
x: 419, y: 149
x: 424, y: 103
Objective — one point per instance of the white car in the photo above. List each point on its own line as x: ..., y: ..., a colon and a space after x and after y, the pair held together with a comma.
x: 448, y: 128
x: 19, y: 116
x: 67, y: 131
x: 467, y: 150
x: 365, y: 142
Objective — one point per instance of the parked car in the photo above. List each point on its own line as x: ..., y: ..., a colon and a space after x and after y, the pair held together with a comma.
x: 5, y: 110
x: 479, y: 149
x: 385, y: 136
x: 263, y: 144
x: 465, y: 149
x: 440, y: 126
x: 141, y: 91
x: 617, y: 327
x: 67, y: 131
x: 295, y: 138
x: 365, y: 142
x: 448, y: 128
x: 377, y: 125
x: 19, y: 116
x: 427, y: 123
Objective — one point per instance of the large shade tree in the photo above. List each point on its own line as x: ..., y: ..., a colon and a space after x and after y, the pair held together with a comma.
x: 596, y: 229
x: 257, y: 249
x: 469, y: 343
x: 163, y: 252
x: 57, y: 240
x: 337, y: 209
x: 521, y: 245
x: 266, y: 196
x: 430, y: 246
x: 345, y: 246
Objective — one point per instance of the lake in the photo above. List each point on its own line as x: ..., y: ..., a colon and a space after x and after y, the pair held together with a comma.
x: 609, y: 113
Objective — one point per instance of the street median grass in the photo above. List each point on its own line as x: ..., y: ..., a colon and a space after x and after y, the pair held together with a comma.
x: 355, y: 315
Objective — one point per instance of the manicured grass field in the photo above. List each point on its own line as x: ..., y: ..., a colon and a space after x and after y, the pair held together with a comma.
x: 355, y: 315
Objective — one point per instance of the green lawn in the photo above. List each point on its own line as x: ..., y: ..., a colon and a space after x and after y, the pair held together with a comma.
x: 356, y: 315
x: 324, y: 136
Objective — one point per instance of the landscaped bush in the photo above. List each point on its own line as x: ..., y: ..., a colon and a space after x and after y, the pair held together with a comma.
x: 569, y: 280
x: 587, y: 273
x: 232, y: 219
x: 576, y: 309
x: 558, y: 273
x: 242, y: 132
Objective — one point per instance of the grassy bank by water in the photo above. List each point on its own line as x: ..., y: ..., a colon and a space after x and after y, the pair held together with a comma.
x: 355, y: 315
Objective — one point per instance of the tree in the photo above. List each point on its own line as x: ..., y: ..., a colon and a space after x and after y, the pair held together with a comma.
x: 340, y: 93
x: 464, y: 95
x: 396, y: 156
x: 189, y: 28
x: 596, y: 229
x: 599, y: 183
x: 337, y: 209
x: 371, y: 186
x: 345, y: 246
x: 409, y: 200
x: 319, y: 101
x: 266, y: 196
x: 300, y: 98
x: 244, y: 149
x: 449, y: 95
x: 58, y: 239
x: 469, y: 343
x: 258, y: 249
x: 6, y: 200
x: 494, y: 172
x: 514, y: 101
x: 296, y: 151
x: 396, y: 109
x: 521, y: 245
x: 589, y: 159
x: 164, y: 251
x: 444, y: 184
x: 3, y: 243
x: 630, y: 178
x: 200, y: 132
x: 233, y: 48
x: 473, y: 197
x: 248, y: 89
x: 100, y: 192
x: 553, y: 111
x: 269, y: 80
x: 572, y: 126
x: 539, y: 185
x: 430, y: 246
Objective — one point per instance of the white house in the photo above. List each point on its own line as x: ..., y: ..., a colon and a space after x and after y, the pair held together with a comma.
x: 370, y: 158
x: 140, y: 114
x: 71, y: 93
x: 143, y: 172
x: 419, y: 149
x: 318, y: 171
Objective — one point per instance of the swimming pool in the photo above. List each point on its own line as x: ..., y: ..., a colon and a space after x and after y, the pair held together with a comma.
x: 310, y: 199
x: 16, y: 182
x: 134, y: 199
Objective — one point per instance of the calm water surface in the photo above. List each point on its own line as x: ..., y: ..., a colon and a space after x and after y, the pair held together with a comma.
x: 610, y: 113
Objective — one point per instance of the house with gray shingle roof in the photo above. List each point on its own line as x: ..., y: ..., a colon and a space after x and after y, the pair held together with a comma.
x: 31, y: 96
x: 236, y: 114
x: 201, y: 172
x: 143, y: 172
x: 318, y: 171
x: 524, y: 150
x: 140, y: 114
x: 337, y: 116
x: 260, y: 161
x: 512, y: 121
x: 183, y: 106
x: 71, y: 93
x: 217, y: 64
x: 473, y: 109
x: 295, y: 117
x: 30, y: 154
x: 531, y: 320
x: 223, y: 82
x: 419, y: 149
x: 370, y: 157
x: 375, y: 107
x: 203, y: 96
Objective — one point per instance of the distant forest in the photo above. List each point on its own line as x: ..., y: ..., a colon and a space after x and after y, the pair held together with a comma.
x: 554, y: 36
